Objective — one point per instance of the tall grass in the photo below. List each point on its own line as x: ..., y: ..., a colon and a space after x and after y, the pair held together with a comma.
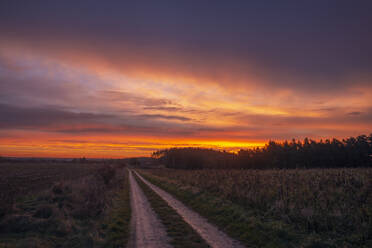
x: 333, y: 202
x: 70, y: 213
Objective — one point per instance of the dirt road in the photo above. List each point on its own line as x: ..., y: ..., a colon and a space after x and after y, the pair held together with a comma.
x: 146, y: 229
x: 214, y: 237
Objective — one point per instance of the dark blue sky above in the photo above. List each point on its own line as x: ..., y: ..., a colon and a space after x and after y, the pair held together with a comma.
x: 322, y: 41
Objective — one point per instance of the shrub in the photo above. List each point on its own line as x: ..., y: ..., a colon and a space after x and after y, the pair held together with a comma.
x: 6, y: 206
x: 107, y: 173
x: 58, y: 188
x: 44, y: 212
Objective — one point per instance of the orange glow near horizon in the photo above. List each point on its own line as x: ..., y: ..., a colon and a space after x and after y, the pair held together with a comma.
x: 102, y: 149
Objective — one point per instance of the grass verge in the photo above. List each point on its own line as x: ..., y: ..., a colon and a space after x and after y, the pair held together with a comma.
x: 116, y: 228
x: 182, y: 235
x: 238, y: 222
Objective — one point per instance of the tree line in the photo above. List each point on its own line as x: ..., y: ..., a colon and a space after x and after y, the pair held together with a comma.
x: 334, y: 153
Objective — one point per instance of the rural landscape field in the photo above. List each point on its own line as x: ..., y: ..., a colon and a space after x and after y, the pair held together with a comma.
x: 290, y: 208
x: 185, y: 124
x: 144, y: 202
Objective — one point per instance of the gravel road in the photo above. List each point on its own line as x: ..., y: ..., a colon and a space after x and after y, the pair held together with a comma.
x: 214, y: 237
x: 146, y: 229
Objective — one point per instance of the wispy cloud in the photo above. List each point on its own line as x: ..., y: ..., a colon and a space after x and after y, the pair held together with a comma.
x: 167, y: 117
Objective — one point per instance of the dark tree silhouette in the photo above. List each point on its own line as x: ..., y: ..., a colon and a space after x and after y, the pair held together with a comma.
x: 350, y: 152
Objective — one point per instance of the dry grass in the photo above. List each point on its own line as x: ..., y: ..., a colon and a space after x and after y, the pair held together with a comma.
x: 332, y: 203
x: 69, y: 213
x: 182, y: 235
x: 21, y: 178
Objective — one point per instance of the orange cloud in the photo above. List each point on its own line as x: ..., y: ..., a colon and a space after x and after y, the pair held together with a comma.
x: 66, y: 100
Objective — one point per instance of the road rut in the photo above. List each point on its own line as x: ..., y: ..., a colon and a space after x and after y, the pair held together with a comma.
x: 214, y: 237
x: 146, y: 229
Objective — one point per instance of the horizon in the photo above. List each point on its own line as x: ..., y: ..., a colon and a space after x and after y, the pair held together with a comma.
x: 215, y: 148
x: 121, y: 80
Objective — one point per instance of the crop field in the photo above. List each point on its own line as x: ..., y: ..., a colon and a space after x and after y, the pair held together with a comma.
x: 64, y: 204
x: 17, y: 178
x: 333, y: 206
x: 98, y: 204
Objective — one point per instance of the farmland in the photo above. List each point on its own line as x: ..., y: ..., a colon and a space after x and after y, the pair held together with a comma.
x: 95, y: 204
x: 22, y: 177
x: 325, y: 207
x: 64, y: 204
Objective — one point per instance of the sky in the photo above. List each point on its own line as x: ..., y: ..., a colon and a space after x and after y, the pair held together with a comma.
x: 125, y: 78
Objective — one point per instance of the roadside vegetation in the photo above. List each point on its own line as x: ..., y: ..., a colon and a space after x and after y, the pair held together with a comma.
x: 88, y: 211
x: 279, y: 208
x: 182, y: 235
x: 116, y: 226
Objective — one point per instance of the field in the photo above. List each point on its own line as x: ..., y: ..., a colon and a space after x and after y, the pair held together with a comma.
x: 64, y: 204
x: 89, y: 204
x: 303, y: 208
x: 19, y: 178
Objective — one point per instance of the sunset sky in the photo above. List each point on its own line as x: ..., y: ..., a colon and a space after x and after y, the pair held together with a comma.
x: 125, y: 78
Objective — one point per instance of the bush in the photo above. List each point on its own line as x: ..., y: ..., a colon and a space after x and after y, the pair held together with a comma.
x: 58, y: 188
x: 44, y: 212
x: 6, y: 206
x: 107, y: 173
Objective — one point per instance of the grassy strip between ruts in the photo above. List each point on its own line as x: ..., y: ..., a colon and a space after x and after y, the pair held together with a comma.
x: 182, y: 235
x: 116, y: 228
x: 236, y: 221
